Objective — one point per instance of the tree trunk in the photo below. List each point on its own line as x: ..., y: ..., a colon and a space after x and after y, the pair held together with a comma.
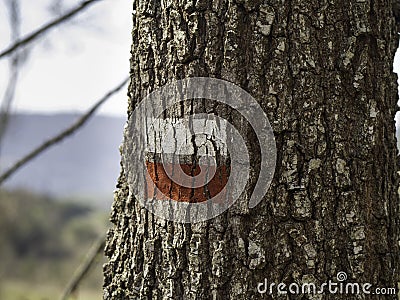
x: 322, y: 73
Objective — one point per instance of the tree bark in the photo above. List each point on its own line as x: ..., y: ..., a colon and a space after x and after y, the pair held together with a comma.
x: 322, y: 72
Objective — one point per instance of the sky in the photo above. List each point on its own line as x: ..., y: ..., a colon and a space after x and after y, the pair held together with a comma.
x: 76, y: 63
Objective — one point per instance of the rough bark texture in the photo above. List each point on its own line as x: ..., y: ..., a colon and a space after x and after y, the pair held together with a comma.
x: 322, y: 71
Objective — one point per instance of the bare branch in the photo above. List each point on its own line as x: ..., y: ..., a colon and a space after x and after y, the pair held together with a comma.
x: 83, y: 269
x: 8, y: 98
x: 30, y: 37
x: 82, y: 120
x: 14, y: 65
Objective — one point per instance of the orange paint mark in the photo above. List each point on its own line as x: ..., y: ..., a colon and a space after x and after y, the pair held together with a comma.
x: 157, y: 176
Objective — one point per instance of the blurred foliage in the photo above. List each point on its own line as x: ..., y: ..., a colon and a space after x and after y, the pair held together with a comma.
x: 42, y: 242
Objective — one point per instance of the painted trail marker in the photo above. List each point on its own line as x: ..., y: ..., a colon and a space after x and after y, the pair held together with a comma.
x: 186, y: 159
x: 193, y: 168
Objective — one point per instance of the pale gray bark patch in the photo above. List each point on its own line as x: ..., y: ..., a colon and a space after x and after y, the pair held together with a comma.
x: 322, y: 71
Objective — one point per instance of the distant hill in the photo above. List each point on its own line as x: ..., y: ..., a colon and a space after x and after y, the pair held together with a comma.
x: 85, y: 165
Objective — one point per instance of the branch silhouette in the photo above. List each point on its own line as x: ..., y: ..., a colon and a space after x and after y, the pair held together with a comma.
x: 84, y: 268
x: 45, y: 28
x: 16, y: 60
x: 82, y: 120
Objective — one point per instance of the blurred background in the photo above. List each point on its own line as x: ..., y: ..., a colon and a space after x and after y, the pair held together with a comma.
x: 54, y: 207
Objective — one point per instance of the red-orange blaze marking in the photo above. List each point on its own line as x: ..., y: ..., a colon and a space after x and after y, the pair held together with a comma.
x: 157, y: 176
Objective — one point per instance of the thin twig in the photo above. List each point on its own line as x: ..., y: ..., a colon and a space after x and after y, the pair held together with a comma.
x: 17, y: 59
x: 82, y: 120
x: 30, y: 37
x: 84, y: 268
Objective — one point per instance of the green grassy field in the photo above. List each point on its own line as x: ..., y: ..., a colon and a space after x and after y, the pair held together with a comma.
x: 22, y: 290
x: 43, y: 242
